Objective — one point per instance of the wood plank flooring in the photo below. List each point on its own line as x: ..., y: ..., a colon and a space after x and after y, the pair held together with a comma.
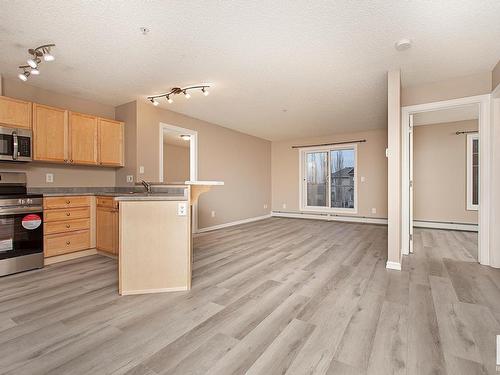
x: 277, y: 296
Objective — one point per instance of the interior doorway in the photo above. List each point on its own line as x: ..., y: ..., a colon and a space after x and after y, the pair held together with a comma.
x: 444, y: 182
x: 178, y: 154
x: 449, y: 188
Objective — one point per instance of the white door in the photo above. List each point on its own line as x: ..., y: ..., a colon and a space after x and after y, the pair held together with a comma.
x: 410, y: 192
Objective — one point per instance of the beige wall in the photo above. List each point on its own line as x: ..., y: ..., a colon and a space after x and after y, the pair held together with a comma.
x: 128, y: 114
x: 495, y: 76
x: 372, y: 165
x: 175, y: 163
x: 440, y: 174
x: 460, y: 87
x: 64, y: 176
x: 242, y: 161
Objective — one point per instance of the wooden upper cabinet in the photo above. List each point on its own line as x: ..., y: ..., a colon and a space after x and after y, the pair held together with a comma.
x: 110, y: 142
x: 82, y: 138
x: 15, y: 113
x: 50, y: 133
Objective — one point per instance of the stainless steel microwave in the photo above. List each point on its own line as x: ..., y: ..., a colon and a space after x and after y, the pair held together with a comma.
x: 15, y: 144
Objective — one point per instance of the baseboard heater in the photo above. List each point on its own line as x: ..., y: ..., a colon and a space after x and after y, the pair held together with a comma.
x: 330, y: 217
x: 468, y: 227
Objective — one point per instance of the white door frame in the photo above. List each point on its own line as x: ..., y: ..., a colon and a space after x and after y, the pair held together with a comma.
x: 485, y: 132
x: 193, y: 160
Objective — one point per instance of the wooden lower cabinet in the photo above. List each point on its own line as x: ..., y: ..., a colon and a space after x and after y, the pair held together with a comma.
x: 66, y: 225
x: 107, y: 228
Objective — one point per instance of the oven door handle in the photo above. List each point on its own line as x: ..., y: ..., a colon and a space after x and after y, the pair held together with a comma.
x: 15, y: 151
x: 21, y: 210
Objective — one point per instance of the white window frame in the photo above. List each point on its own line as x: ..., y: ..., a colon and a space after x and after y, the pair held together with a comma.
x: 303, y: 182
x: 470, y: 138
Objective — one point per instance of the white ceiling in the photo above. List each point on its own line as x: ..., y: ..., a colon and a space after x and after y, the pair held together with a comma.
x: 281, y: 69
x: 466, y: 112
x: 173, y: 138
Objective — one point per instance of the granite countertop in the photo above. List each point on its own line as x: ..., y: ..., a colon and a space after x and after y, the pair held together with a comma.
x: 132, y: 191
x: 150, y: 197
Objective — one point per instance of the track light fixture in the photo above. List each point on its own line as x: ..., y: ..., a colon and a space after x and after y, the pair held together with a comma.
x: 35, y: 59
x: 177, y: 91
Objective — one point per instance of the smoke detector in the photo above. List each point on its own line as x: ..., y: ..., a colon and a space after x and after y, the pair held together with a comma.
x: 144, y: 30
x: 403, y: 44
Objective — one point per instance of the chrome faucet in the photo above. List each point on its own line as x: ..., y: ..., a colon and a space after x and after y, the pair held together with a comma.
x: 147, y: 185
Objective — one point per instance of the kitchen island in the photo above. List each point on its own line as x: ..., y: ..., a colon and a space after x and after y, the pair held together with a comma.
x: 155, y: 240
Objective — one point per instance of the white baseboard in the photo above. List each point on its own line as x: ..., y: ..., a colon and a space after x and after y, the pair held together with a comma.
x: 233, y: 223
x: 449, y: 226
x: 393, y: 266
x: 161, y: 290
x: 329, y: 217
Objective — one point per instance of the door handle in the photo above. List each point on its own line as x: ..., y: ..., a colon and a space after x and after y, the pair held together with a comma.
x: 15, y: 150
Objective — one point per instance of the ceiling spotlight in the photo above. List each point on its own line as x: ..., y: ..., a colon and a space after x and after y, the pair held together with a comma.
x: 205, y: 91
x: 185, y: 137
x: 186, y: 94
x: 34, y: 71
x: 169, y: 99
x: 25, y: 74
x: 154, y: 101
x: 32, y: 62
x: 47, y: 56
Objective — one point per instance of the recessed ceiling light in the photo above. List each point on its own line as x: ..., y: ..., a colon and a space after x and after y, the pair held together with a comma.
x: 402, y: 44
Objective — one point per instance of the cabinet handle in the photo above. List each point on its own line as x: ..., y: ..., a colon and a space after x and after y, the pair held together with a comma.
x: 65, y: 160
x: 71, y: 161
x: 68, y: 202
x: 68, y: 242
x: 68, y: 213
x: 68, y: 226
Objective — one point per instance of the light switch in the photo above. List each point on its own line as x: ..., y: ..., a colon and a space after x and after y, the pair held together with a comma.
x: 141, y: 169
x: 182, y: 209
x: 213, y: 213
x: 49, y: 177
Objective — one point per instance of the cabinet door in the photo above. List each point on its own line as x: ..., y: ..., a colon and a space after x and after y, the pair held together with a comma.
x: 110, y: 141
x: 50, y: 133
x: 15, y: 113
x: 82, y: 138
x: 107, y: 230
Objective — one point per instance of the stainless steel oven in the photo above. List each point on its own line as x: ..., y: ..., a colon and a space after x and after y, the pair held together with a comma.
x: 15, y: 144
x: 21, y: 225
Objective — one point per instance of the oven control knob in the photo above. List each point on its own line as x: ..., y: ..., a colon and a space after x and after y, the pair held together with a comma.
x: 29, y: 201
x: 22, y: 201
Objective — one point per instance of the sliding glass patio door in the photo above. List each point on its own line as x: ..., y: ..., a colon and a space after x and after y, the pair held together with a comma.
x: 329, y: 179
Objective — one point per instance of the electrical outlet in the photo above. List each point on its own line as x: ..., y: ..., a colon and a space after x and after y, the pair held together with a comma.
x: 130, y: 178
x: 374, y: 210
x: 182, y: 209
x: 265, y: 206
x: 213, y: 213
x: 141, y: 169
x: 363, y: 178
x: 49, y: 177
x: 284, y: 205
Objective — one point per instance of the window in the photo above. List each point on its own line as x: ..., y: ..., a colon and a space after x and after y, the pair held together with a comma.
x: 472, y: 171
x: 328, y: 178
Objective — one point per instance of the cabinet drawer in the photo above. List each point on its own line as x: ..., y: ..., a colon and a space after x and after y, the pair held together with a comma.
x: 66, y: 226
x: 108, y: 202
x: 69, y: 214
x: 57, y: 244
x: 66, y: 202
